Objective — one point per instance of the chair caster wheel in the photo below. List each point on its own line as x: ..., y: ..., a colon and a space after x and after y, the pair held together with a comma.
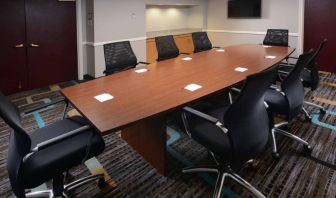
x: 101, y: 183
x: 323, y: 111
x: 252, y: 164
x: 307, y: 149
x: 276, y: 156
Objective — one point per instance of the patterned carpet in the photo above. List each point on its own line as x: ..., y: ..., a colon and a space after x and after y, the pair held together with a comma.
x: 294, y: 175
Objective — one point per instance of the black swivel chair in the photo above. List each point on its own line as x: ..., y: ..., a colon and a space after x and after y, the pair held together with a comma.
x: 276, y: 37
x: 288, y: 101
x: 234, y: 134
x: 201, y: 41
x: 310, y: 76
x: 166, y: 48
x: 119, y: 57
x: 48, y: 152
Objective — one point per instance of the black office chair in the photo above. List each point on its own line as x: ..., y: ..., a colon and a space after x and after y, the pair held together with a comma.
x: 276, y: 37
x: 288, y: 101
x: 201, y: 41
x: 310, y: 76
x: 166, y: 47
x: 233, y: 133
x: 119, y: 57
x: 48, y: 152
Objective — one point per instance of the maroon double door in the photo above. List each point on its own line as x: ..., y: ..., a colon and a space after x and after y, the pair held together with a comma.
x: 320, y: 17
x: 38, y: 43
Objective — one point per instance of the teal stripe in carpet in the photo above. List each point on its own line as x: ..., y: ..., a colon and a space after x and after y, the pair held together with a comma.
x: 173, y: 137
x: 315, y: 120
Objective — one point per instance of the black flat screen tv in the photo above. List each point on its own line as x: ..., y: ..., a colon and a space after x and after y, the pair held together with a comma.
x: 244, y: 8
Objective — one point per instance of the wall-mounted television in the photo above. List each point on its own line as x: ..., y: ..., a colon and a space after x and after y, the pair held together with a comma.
x: 244, y: 8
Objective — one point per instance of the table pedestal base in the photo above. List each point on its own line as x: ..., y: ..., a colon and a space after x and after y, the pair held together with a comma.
x: 148, y: 138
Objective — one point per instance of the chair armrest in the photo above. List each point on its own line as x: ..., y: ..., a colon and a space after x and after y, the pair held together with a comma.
x: 185, y: 53
x: 25, y: 112
x: 292, y: 57
x: 276, y: 88
x: 283, y: 72
x: 286, y: 65
x: 235, y: 89
x: 55, y: 140
x: 206, y: 117
x: 141, y: 62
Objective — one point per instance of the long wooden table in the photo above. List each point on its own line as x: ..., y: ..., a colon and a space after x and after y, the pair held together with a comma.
x: 142, y: 100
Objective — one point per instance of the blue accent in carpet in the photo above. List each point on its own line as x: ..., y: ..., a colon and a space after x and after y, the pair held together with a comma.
x: 173, y: 137
x: 39, y: 120
x: 75, y: 82
x: 37, y: 115
x: 315, y: 120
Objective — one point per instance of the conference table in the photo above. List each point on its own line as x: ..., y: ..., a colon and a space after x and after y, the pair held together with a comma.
x: 138, y: 101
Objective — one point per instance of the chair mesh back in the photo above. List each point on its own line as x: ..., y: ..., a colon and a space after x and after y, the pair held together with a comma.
x: 247, y: 119
x: 276, y: 37
x: 19, y: 144
x: 314, y: 75
x: 166, y: 47
x: 119, y: 57
x: 201, y: 41
x: 292, y: 85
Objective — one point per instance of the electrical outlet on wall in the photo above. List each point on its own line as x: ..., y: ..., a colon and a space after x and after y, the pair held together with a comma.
x: 133, y: 15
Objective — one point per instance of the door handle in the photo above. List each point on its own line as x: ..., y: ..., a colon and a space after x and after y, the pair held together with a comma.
x: 34, y: 45
x: 19, y: 45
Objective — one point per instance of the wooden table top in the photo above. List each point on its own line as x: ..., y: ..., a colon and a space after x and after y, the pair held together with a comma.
x: 138, y: 96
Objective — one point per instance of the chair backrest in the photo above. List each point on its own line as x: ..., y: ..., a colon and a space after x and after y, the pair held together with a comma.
x: 119, y: 56
x: 312, y: 67
x: 166, y: 47
x: 201, y: 41
x: 292, y: 85
x: 276, y: 37
x: 19, y: 143
x: 247, y: 118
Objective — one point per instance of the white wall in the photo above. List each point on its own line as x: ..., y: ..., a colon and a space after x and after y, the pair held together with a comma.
x: 284, y: 14
x: 115, y: 20
x: 198, y: 16
x: 160, y: 18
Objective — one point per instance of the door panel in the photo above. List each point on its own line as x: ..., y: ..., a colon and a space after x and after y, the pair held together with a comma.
x: 12, y: 59
x: 51, y: 25
x: 319, y: 24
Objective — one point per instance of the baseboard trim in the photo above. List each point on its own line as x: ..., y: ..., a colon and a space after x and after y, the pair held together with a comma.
x: 113, y: 41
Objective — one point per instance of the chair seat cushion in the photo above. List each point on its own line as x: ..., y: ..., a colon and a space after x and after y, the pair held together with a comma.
x: 276, y: 101
x: 62, y: 156
x: 209, y: 135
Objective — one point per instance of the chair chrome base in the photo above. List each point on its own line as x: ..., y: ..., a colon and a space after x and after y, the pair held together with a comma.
x: 276, y: 129
x: 322, y: 109
x: 222, y: 173
x: 308, y: 116
x: 69, y: 187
